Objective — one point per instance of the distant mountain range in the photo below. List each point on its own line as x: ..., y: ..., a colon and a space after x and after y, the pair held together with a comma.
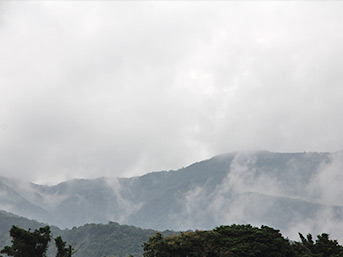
x: 295, y: 192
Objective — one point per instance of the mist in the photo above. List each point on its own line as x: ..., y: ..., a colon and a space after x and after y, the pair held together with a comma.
x: 119, y: 89
x: 250, y: 194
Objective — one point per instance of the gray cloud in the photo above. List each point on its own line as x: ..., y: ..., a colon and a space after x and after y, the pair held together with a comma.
x: 325, y: 187
x: 123, y: 88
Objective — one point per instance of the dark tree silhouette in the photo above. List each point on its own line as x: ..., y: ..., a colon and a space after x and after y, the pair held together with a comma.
x: 34, y: 244
x: 28, y: 244
x: 62, y: 250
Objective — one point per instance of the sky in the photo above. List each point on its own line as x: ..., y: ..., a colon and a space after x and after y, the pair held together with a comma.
x: 122, y: 88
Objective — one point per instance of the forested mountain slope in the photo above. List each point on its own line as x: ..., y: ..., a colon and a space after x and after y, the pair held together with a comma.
x: 289, y: 191
x: 90, y: 240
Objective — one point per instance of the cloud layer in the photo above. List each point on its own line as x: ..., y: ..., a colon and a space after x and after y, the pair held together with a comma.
x: 255, y: 195
x: 122, y: 88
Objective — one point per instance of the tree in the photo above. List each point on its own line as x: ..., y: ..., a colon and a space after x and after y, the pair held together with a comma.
x: 328, y: 247
x: 34, y: 244
x: 322, y: 247
x: 157, y: 246
x: 62, y: 250
x: 228, y: 241
x: 28, y: 244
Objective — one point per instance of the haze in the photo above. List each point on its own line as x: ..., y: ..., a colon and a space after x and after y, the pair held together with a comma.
x: 114, y: 88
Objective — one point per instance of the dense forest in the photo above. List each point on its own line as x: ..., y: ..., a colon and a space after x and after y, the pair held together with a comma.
x: 240, y: 241
x: 223, y: 241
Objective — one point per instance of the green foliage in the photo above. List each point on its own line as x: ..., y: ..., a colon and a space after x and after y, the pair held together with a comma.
x: 34, y: 244
x: 112, y: 239
x: 322, y: 247
x: 98, y: 240
x: 91, y: 240
x: 62, y: 250
x: 235, y: 241
x: 240, y: 241
x: 7, y: 220
x: 28, y: 244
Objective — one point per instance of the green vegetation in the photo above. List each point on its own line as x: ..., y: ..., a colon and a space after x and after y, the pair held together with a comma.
x: 322, y: 247
x: 34, y: 244
x: 114, y: 240
x: 239, y: 241
x: 90, y: 240
x: 62, y: 249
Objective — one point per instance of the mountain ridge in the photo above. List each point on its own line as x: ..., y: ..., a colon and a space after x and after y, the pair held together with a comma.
x: 202, y: 195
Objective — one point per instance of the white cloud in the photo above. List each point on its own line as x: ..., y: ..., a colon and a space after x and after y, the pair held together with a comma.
x: 325, y: 187
x: 122, y: 88
x: 253, y: 194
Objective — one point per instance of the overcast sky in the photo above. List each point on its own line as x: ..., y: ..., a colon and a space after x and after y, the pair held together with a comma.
x: 114, y: 88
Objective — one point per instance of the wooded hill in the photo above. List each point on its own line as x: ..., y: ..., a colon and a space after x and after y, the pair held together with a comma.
x: 240, y: 241
x: 116, y: 240
x: 91, y: 240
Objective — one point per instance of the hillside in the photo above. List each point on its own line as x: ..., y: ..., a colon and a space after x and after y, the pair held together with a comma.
x: 114, y: 240
x: 91, y: 240
x: 288, y: 191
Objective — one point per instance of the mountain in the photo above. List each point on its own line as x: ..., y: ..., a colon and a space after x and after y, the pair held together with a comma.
x: 112, y: 239
x: 91, y: 240
x: 291, y: 191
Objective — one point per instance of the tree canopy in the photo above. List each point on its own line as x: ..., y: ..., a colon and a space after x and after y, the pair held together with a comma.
x: 223, y: 241
x: 34, y: 244
x: 239, y: 241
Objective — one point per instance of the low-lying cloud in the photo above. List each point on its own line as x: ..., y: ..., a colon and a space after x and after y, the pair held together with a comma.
x: 251, y: 195
x: 115, y: 88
